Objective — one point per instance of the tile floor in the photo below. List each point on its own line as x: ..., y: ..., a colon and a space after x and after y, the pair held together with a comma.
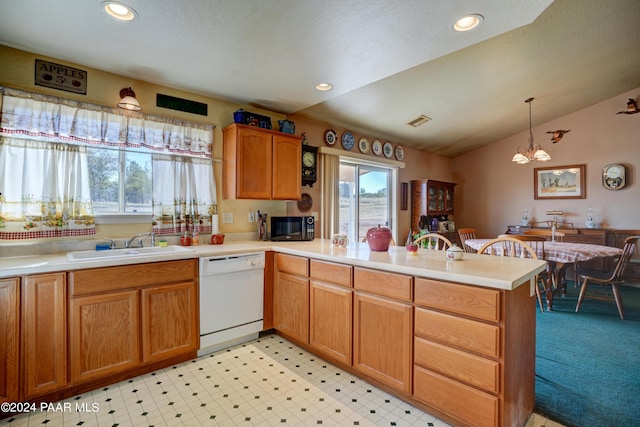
x: 265, y: 382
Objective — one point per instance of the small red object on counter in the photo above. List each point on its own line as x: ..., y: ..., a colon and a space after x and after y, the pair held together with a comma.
x: 217, y: 239
x: 185, y: 240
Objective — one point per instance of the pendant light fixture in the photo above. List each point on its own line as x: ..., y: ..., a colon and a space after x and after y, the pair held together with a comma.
x: 534, y: 151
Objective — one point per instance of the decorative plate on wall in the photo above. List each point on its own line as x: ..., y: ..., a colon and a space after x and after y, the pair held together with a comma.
x: 399, y: 153
x: 330, y: 137
x: 363, y: 145
x: 387, y: 150
x: 376, y: 147
x: 305, y: 203
x: 348, y: 141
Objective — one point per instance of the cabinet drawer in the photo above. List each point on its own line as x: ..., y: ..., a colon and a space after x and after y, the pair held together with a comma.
x: 457, y: 364
x: 467, y: 300
x: 470, y: 406
x: 456, y: 331
x: 292, y: 264
x: 95, y: 280
x: 331, y: 272
x: 382, y: 283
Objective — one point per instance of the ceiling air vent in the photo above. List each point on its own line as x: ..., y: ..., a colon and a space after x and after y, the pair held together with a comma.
x: 420, y: 120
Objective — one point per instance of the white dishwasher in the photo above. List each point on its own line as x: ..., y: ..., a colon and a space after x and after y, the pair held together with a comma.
x: 231, y: 300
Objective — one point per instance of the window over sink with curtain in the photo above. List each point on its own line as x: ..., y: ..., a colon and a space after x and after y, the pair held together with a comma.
x: 63, y: 163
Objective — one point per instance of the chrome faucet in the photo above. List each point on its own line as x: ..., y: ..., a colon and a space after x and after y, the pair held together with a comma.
x: 139, y: 236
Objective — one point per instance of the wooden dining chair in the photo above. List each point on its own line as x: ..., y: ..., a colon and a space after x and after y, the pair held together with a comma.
x: 442, y: 243
x: 611, y: 278
x: 467, y: 233
x: 545, y: 282
x: 519, y: 246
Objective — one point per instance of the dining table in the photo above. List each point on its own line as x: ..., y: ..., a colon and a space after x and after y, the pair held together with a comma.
x: 564, y: 255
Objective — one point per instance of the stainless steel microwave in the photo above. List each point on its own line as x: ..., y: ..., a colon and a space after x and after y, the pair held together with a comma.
x: 292, y: 228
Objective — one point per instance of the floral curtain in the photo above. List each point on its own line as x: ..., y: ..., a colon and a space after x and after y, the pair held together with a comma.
x: 183, y: 195
x: 45, y: 190
x: 44, y: 177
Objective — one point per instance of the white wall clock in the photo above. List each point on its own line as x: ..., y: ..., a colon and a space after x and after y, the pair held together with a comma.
x: 614, y: 176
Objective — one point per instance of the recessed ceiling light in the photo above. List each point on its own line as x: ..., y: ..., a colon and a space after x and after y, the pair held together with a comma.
x: 468, y: 22
x: 324, y: 87
x: 119, y: 10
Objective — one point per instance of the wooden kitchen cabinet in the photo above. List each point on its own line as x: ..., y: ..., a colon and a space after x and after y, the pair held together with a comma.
x: 382, y: 327
x: 331, y: 310
x: 9, y: 335
x: 470, y: 364
x: 291, y: 297
x: 261, y: 164
x: 125, y: 317
x: 169, y: 321
x: 104, y: 335
x: 44, y: 333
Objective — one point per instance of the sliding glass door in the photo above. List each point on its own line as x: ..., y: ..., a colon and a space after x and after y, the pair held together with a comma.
x: 365, y: 199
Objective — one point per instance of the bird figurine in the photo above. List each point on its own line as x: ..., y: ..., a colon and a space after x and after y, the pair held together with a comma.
x: 557, y: 135
x: 632, y: 107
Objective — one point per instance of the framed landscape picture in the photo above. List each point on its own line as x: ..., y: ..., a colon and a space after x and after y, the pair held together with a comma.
x: 560, y: 182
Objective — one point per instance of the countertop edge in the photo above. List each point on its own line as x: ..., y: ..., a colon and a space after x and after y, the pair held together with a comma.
x: 482, y: 270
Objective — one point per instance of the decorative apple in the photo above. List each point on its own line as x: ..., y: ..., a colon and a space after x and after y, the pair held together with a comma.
x: 412, y: 249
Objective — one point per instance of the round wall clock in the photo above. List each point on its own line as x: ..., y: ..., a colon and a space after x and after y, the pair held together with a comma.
x: 387, y: 150
x: 330, y: 137
x: 348, y: 141
x: 376, y: 147
x: 614, y: 176
x: 363, y: 145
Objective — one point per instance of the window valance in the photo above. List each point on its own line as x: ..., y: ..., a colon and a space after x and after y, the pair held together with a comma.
x: 50, y: 118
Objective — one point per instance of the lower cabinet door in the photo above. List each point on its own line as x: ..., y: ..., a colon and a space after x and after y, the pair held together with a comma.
x: 330, y: 322
x: 9, y: 336
x: 44, y: 333
x: 291, y: 306
x: 104, y: 335
x: 169, y: 321
x: 382, y: 340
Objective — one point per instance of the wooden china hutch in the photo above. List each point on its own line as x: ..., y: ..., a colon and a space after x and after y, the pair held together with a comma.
x: 432, y: 199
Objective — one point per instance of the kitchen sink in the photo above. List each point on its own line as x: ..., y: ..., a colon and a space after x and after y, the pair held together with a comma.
x: 93, y: 255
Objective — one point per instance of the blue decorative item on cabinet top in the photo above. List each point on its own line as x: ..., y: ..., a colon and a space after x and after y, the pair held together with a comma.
x: 287, y: 126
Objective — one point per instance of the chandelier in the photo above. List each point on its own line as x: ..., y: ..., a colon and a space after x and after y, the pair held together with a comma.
x: 534, y: 152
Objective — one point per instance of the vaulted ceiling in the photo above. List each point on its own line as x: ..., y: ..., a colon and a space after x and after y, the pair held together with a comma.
x: 390, y: 61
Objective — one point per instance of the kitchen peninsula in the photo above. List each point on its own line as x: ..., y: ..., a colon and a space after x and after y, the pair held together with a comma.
x: 456, y: 338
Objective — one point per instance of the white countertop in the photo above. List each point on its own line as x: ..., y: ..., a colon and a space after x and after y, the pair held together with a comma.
x: 484, y: 270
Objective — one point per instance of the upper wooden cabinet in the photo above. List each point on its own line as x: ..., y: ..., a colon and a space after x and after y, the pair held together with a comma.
x: 430, y: 198
x: 261, y: 164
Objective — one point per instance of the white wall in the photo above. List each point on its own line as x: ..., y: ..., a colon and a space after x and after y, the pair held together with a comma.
x: 492, y: 191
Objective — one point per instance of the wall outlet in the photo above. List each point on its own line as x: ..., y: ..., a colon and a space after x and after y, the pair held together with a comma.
x: 252, y: 217
x: 314, y: 215
x: 227, y: 217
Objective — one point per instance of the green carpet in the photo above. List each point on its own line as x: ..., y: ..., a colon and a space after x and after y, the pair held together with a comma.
x: 588, y: 363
